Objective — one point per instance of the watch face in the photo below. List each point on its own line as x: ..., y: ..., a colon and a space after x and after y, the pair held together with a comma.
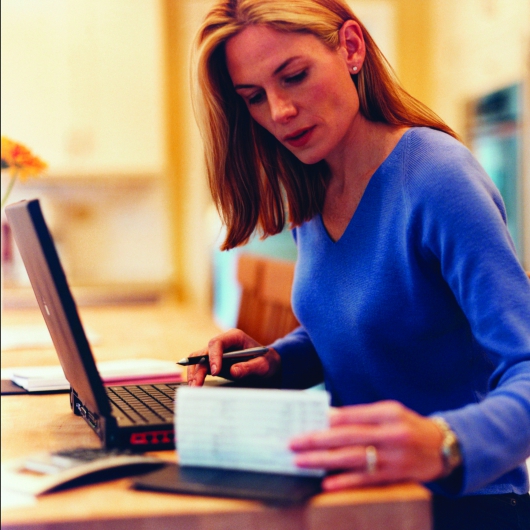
x: 451, y: 454
x: 451, y: 451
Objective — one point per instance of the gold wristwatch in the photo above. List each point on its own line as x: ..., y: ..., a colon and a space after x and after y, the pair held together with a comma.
x: 450, y: 449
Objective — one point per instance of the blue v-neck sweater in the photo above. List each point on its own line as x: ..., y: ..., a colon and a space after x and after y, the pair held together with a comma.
x: 422, y: 300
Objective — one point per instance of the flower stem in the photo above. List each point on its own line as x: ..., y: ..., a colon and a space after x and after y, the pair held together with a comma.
x: 8, y: 190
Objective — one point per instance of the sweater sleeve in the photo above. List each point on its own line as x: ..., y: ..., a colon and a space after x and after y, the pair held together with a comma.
x: 463, y: 228
x: 301, y: 367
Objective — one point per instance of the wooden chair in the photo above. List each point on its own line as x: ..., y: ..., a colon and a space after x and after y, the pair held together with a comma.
x: 265, y: 309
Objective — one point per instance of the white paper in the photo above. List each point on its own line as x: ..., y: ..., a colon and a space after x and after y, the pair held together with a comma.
x: 247, y: 429
x: 36, y: 378
x: 40, y: 377
x: 13, y: 499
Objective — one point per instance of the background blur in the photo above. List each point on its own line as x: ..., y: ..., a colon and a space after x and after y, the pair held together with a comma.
x: 100, y: 90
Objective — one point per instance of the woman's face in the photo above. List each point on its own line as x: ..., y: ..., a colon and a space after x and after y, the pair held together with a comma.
x: 297, y: 88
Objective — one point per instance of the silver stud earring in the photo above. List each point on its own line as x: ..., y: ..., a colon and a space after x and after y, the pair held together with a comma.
x: 354, y: 69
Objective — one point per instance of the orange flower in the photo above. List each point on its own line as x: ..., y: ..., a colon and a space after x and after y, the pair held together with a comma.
x: 20, y: 162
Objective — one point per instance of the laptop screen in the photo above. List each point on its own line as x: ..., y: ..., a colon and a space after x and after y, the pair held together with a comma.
x: 56, y: 303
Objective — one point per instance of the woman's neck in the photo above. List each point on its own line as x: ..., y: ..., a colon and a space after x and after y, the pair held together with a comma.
x: 363, y: 149
x: 352, y: 167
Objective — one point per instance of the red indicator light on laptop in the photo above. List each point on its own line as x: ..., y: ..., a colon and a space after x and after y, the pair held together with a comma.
x: 152, y: 437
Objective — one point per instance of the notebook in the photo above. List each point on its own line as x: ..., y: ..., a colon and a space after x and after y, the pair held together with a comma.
x: 137, y: 417
x: 267, y: 487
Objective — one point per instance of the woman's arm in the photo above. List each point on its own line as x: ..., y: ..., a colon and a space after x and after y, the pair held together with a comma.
x: 301, y: 366
x: 293, y: 356
x: 465, y: 230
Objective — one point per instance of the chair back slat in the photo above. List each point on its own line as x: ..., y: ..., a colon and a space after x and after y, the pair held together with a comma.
x: 265, y: 310
x: 249, y: 272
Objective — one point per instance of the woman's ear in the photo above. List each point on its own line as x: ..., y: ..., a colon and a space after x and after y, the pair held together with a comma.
x: 351, y: 42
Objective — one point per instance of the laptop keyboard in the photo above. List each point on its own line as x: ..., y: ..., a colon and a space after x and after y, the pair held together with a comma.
x: 145, y: 403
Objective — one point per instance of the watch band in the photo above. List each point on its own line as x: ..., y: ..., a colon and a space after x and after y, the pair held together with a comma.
x: 450, y: 448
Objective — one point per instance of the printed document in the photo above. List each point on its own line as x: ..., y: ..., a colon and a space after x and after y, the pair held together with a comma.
x: 246, y: 429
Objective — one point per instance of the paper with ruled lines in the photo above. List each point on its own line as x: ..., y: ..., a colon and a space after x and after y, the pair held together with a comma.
x: 246, y: 429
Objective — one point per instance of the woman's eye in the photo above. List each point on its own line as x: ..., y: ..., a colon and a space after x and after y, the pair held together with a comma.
x: 255, y: 99
x: 296, y: 78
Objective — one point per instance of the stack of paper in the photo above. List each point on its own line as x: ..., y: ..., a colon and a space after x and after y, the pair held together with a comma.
x: 128, y: 371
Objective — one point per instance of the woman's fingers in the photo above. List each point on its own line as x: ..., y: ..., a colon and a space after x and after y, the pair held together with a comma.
x: 346, y: 435
x: 403, y: 445
x: 263, y: 366
x: 379, y: 412
x: 358, y: 465
x: 234, y: 339
x: 342, y: 458
x: 196, y: 373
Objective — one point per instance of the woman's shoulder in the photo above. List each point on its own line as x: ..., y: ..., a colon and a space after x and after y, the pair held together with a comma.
x: 423, y: 144
x: 435, y: 161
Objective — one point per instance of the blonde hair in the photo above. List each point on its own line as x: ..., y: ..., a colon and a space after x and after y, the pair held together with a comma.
x: 253, y: 179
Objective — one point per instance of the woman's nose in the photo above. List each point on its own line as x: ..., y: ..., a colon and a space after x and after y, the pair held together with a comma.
x: 282, y: 107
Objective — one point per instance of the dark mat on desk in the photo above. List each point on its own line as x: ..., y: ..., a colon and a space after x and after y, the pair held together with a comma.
x: 267, y: 487
x: 8, y: 388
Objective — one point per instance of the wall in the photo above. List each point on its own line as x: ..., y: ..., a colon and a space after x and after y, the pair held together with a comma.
x: 477, y: 46
x: 83, y: 87
x: 82, y: 81
x: 195, y: 226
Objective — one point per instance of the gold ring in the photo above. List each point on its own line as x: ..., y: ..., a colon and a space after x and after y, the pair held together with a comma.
x: 371, y: 459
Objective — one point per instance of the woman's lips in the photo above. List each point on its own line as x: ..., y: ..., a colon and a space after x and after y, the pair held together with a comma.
x: 299, y: 138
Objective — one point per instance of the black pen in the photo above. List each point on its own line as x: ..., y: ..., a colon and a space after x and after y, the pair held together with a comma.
x: 250, y: 352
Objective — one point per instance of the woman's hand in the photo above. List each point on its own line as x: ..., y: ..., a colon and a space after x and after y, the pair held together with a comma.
x: 265, y: 365
x: 373, y: 444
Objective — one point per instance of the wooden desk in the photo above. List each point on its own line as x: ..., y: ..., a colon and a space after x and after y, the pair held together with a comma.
x: 45, y: 423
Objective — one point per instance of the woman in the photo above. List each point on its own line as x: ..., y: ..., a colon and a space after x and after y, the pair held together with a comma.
x: 414, y: 309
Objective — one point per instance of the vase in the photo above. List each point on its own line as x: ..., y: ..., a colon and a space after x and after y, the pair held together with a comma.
x: 3, y: 244
x: 6, y: 259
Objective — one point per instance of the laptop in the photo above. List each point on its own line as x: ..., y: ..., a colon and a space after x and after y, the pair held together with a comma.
x: 129, y: 417
x: 132, y: 417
